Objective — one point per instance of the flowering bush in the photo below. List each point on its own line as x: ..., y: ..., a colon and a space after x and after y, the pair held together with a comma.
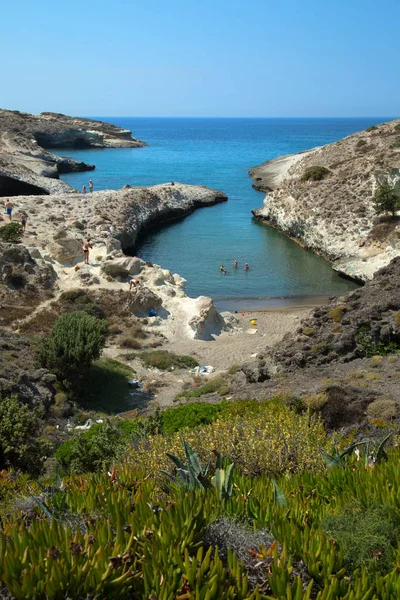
x: 272, y: 438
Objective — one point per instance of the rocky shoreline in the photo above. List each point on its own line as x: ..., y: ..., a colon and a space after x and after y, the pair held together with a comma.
x: 27, y: 166
x: 334, y: 217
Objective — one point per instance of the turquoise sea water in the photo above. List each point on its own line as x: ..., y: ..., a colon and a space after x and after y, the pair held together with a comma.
x: 218, y: 153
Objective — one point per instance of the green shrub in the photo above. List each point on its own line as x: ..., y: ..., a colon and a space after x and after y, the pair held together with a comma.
x: 233, y: 369
x: 61, y: 406
x: 336, y: 314
x: 315, y: 174
x: 386, y: 199
x: 190, y: 415
x: 368, y: 537
x: 361, y: 143
x: 91, y: 450
x: 217, y: 384
x: 395, y: 144
x: 73, y: 295
x: 19, y: 428
x: 75, y: 341
x: 322, y: 346
x: 397, y: 127
x: 78, y: 225
x: 11, y: 233
x: 130, y: 342
x: 372, y: 128
x: 115, y: 271
x: 369, y: 347
x: 167, y: 361
x: 309, y: 331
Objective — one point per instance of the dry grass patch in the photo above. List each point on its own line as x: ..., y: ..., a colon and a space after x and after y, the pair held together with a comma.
x: 383, y: 408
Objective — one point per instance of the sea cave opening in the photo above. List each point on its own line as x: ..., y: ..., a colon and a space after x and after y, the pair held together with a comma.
x: 14, y: 187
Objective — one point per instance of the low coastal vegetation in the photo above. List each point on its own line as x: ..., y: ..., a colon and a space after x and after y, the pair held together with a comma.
x: 241, y: 500
x: 386, y: 199
x: 11, y: 233
x: 315, y: 174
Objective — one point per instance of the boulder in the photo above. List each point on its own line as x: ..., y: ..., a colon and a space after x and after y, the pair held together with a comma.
x: 142, y: 300
x: 113, y: 244
x: 207, y: 322
x: 66, y: 249
x: 255, y: 372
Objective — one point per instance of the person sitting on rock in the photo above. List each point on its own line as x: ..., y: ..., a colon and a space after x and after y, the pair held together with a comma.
x: 85, y: 247
x: 84, y: 190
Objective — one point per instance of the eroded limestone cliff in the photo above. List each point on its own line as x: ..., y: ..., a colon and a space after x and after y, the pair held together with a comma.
x: 335, y: 216
x: 26, y: 167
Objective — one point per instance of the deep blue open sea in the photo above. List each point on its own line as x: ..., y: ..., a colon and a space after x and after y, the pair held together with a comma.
x: 218, y: 153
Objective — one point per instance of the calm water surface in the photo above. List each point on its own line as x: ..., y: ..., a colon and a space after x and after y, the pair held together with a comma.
x: 218, y: 153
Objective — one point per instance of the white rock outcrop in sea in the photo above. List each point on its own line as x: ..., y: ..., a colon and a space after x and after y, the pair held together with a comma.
x: 335, y: 217
x: 26, y: 165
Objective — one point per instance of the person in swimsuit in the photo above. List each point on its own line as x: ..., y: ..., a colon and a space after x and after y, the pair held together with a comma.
x: 23, y: 217
x: 235, y: 263
x: 9, y: 208
x: 85, y: 247
x: 134, y: 283
x: 246, y: 267
x: 84, y: 190
x: 90, y: 186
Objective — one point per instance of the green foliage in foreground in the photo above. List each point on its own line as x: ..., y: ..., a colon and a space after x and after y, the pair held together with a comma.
x: 122, y: 535
x: 386, y: 199
x: 167, y: 361
x: 11, y: 233
x: 75, y: 341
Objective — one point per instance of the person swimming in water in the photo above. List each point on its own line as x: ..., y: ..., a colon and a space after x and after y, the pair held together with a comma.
x: 235, y: 263
x: 246, y: 267
x: 222, y: 269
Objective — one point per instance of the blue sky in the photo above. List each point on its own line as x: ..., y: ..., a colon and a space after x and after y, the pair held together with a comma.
x: 201, y: 58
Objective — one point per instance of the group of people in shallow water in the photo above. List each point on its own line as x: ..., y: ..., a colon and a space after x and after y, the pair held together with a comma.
x: 235, y: 265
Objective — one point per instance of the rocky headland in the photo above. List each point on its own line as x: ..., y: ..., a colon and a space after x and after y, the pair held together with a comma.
x: 334, y: 216
x: 26, y: 164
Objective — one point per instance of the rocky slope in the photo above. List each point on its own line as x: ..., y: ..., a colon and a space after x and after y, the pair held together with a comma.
x: 26, y: 167
x: 335, y: 217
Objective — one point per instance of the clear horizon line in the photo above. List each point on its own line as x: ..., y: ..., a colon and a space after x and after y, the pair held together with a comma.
x: 390, y: 117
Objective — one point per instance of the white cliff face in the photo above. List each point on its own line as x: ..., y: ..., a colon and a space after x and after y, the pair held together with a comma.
x: 113, y: 219
x: 26, y: 165
x: 335, y: 217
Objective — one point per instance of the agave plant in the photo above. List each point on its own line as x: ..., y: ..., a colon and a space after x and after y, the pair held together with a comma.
x: 336, y: 458
x: 191, y: 475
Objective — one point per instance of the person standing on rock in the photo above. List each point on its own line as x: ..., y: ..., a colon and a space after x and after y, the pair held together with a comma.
x: 9, y: 208
x: 85, y: 248
x: 84, y: 190
x: 90, y: 186
x: 23, y: 217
